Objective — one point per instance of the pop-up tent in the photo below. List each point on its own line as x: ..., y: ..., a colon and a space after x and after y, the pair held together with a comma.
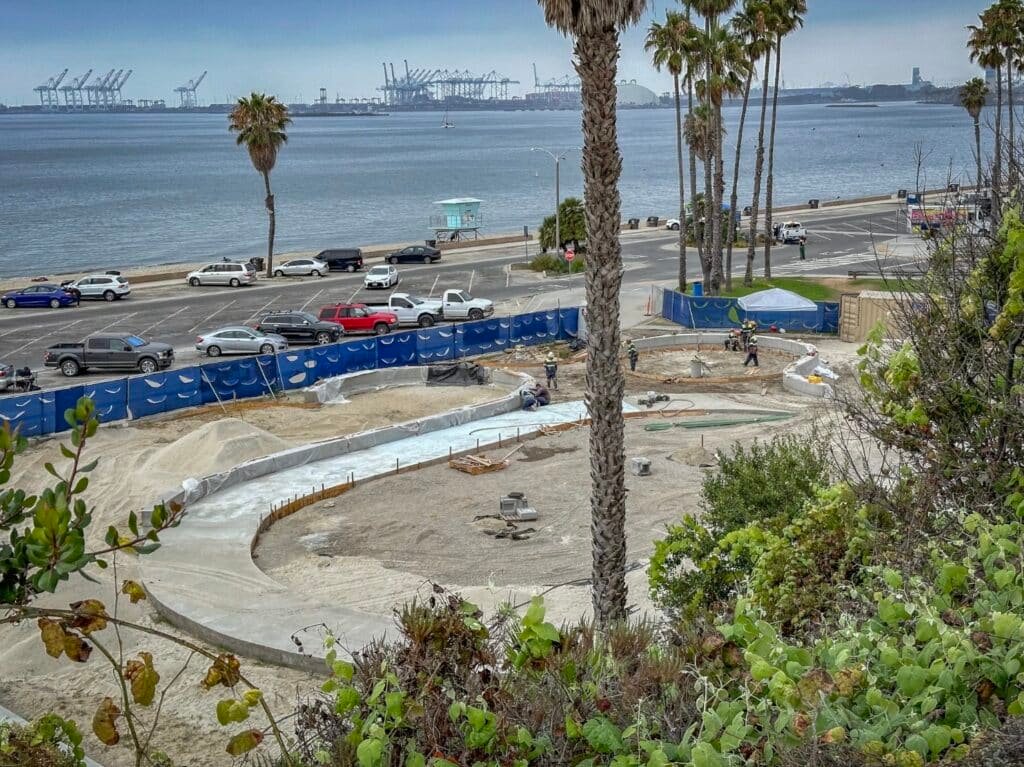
x: 776, y: 300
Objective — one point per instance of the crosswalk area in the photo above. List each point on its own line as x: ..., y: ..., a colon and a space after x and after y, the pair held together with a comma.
x: 870, y: 262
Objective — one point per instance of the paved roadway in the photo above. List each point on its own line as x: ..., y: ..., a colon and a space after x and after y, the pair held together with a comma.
x: 838, y: 241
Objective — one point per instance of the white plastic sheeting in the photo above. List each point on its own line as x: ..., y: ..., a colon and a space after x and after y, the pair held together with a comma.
x: 776, y: 300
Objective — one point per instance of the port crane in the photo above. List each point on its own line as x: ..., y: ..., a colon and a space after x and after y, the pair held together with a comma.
x: 188, y: 92
x: 73, y: 91
x: 48, y: 91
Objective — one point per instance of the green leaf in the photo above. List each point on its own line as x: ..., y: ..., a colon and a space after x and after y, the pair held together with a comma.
x: 343, y: 670
x: 244, y: 742
x: 911, y: 680
x: 535, y: 612
x: 918, y: 744
x: 602, y: 735
x: 938, y: 738
x: 369, y: 753
x: 547, y: 631
x: 1005, y: 625
x: 952, y: 577
x: 704, y: 755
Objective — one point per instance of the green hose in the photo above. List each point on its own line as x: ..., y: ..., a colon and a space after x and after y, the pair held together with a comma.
x: 709, y: 423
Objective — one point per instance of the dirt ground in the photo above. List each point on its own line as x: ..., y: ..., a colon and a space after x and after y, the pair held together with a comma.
x: 376, y: 549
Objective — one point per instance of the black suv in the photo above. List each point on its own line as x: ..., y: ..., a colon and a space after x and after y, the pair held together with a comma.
x: 300, y: 327
x: 342, y: 259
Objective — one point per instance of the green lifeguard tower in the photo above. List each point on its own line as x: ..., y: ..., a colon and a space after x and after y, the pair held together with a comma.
x: 460, y: 219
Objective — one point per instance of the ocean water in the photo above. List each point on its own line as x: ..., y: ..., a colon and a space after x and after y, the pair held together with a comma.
x: 82, y: 192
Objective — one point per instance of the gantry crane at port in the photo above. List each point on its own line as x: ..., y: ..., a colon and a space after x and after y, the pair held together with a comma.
x: 188, y: 92
x: 73, y: 92
x: 48, y: 91
x: 418, y: 86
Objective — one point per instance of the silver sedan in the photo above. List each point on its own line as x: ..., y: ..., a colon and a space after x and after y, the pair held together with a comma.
x: 240, y: 340
x: 300, y: 267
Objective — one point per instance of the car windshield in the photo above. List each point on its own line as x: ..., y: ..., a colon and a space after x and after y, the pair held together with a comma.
x: 134, y: 341
x: 379, y: 270
x: 415, y: 301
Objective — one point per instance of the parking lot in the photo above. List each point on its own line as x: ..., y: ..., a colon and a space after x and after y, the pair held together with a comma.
x: 175, y: 313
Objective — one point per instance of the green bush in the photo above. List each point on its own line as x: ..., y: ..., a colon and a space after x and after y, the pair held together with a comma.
x: 48, y: 742
x: 759, y: 489
x: 555, y: 264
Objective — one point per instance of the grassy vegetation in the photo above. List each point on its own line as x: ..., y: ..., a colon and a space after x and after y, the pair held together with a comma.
x: 815, y: 288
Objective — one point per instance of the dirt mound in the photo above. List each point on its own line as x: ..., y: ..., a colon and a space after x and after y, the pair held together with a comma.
x: 213, y: 447
x: 694, y: 456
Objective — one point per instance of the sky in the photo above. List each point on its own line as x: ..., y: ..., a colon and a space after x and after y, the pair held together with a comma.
x: 293, y: 48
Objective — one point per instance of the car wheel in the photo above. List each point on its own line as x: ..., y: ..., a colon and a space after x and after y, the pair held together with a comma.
x: 194, y: 282
x: 109, y: 295
x: 323, y: 338
x: 69, y: 368
x: 11, y: 303
x: 426, y: 321
x: 675, y: 227
x: 147, y: 365
x: 476, y: 314
x: 234, y: 282
x: 212, y: 351
x: 393, y: 260
x: 350, y: 268
x: 278, y: 273
x: 267, y: 349
x: 317, y: 273
x: 381, y: 329
x: 54, y: 303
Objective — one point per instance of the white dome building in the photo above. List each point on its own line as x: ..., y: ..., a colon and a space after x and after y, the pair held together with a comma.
x: 633, y: 95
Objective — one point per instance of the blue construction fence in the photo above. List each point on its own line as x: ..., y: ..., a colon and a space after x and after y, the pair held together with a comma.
x: 40, y: 413
x: 707, y: 312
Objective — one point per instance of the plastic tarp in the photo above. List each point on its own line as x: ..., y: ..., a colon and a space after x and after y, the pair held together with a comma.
x: 458, y: 374
x: 776, y: 300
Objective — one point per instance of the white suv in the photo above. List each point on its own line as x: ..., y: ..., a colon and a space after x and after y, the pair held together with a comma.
x: 105, y: 286
x: 223, y: 273
x: 381, y: 277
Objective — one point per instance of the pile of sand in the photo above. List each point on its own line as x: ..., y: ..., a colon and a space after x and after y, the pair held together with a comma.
x: 213, y: 447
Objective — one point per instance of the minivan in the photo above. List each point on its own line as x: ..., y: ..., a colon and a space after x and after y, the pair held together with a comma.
x: 342, y: 259
x: 223, y: 273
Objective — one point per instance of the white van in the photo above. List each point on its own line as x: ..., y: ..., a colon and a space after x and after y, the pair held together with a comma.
x: 223, y: 273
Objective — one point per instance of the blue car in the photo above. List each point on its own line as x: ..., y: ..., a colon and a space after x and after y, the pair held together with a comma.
x: 53, y: 296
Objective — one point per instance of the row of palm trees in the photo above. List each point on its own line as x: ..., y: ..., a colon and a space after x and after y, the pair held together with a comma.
x: 715, y: 60
x: 997, y: 42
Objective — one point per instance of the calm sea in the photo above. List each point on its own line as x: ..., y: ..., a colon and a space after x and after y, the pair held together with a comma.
x: 98, y: 191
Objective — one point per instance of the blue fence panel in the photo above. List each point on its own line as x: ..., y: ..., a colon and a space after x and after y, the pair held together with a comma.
x: 396, y: 349
x: 435, y: 344
x: 328, y: 361
x: 23, y: 412
x: 110, y: 397
x: 358, y: 355
x: 529, y: 329
x: 829, y: 322
x: 480, y: 337
x: 569, y: 321
x: 51, y: 418
x: 67, y: 398
x: 297, y: 368
x: 707, y: 312
x: 163, y: 392
x: 237, y: 379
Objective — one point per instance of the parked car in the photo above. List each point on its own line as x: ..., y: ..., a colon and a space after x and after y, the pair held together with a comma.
x: 413, y: 254
x: 223, y: 273
x: 342, y: 259
x: 791, y: 231
x: 459, y: 305
x: 109, y: 351
x: 106, y: 286
x: 673, y: 224
x: 239, y: 339
x: 301, y: 327
x: 411, y: 310
x: 301, y: 267
x: 381, y: 277
x: 358, y: 318
x: 6, y: 376
x: 44, y: 294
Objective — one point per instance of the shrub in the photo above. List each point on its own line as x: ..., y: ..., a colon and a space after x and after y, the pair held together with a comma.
x: 47, y: 742
x: 555, y: 264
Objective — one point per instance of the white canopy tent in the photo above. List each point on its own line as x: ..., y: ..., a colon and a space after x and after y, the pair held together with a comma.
x: 776, y: 300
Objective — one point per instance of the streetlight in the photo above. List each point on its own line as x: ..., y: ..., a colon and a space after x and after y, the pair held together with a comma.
x: 558, y: 219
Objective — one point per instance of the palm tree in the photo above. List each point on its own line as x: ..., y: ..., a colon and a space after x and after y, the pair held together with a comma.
x: 768, y: 21
x: 1007, y: 16
x: 789, y: 17
x: 692, y: 66
x: 698, y: 129
x: 596, y: 25
x: 749, y: 24
x: 260, y: 122
x: 668, y: 42
x: 987, y: 52
x: 973, y: 96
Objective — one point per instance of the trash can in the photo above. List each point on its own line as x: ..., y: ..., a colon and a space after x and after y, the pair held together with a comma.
x: 634, y: 223
x: 114, y: 272
x: 258, y: 262
x: 652, y: 221
x: 431, y: 243
x: 698, y: 289
x: 812, y: 204
x: 747, y: 211
x: 901, y: 194
x: 953, y: 188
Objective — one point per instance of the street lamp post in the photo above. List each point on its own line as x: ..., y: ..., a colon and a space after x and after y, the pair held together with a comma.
x: 558, y: 199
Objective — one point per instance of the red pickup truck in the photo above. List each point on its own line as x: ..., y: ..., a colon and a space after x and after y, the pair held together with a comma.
x: 359, y: 318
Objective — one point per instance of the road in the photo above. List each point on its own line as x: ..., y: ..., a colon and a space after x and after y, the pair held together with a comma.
x: 838, y: 241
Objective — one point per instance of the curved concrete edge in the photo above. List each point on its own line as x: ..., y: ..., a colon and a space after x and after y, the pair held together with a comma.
x: 794, y: 375
x: 203, y: 579
x: 362, y: 381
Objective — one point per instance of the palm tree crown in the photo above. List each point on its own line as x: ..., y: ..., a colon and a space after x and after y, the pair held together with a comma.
x: 260, y: 122
x: 973, y: 96
x: 668, y: 42
x: 571, y: 17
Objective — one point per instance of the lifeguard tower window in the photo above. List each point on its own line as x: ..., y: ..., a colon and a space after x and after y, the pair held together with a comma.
x: 460, y: 219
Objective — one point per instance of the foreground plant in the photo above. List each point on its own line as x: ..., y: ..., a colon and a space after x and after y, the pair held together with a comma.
x: 48, y: 543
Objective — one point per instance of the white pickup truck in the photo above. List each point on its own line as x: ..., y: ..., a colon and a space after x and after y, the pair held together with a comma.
x: 459, y: 305
x: 791, y: 231
x: 410, y: 310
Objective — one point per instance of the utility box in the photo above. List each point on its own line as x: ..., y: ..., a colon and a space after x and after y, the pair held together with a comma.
x: 641, y: 466
x: 515, y: 508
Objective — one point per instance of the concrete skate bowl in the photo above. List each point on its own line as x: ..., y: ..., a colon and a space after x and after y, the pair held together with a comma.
x: 203, y: 578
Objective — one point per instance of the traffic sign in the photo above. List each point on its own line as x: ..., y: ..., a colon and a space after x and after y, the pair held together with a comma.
x: 570, y: 254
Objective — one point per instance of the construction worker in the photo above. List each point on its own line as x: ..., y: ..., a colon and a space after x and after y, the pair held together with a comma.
x: 751, y: 352
x: 732, y: 341
x: 634, y: 354
x: 803, y: 248
x: 551, y: 370
x: 746, y: 331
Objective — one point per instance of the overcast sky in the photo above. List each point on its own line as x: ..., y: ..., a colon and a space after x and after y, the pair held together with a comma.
x: 293, y: 48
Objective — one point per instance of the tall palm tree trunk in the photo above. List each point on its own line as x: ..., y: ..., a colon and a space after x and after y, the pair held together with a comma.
x: 269, y: 202
x: 977, y: 147
x: 709, y: 190
x: 597, y: 54
x: 997, y: 169
x: 682, y: 187
x: 717, y: 278
x: 693, y: 185
x: 734, y: 197
x: 748, y: 275
x: 1011, y: 148
x: 769, y: 187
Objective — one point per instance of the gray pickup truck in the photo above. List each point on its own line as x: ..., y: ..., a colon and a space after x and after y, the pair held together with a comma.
x: 113, y: 351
